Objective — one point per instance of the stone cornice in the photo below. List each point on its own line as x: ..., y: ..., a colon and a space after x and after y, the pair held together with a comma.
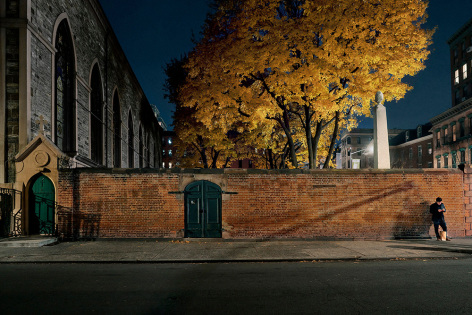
x: 467, y: 104
x: 406, y: 144
x: 457, y: 34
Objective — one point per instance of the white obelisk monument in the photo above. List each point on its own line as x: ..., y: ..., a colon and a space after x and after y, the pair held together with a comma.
x: 381, y: 149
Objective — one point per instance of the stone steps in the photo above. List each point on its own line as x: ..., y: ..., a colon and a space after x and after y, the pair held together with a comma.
x: 27, y: 241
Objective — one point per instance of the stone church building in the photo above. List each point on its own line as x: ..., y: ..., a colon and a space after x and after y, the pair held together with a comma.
x: 68, y: 99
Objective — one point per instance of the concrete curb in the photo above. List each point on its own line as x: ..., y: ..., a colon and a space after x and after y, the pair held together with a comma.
x: 204, y: 252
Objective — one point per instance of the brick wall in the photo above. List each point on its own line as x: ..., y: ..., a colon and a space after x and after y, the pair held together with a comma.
x: 468, y: 200
x: 320, y: 204
x: 125, y: 204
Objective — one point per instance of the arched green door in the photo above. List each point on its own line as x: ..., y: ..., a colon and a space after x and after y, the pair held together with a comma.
x: 41, y: 206
x: 203, y: 210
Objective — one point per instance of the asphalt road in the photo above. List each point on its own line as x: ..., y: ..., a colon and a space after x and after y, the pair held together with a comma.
x: 369, y: 287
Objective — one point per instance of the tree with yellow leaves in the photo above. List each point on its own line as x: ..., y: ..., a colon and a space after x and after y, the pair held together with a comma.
x: 303, y: 67
x: 195, y: 145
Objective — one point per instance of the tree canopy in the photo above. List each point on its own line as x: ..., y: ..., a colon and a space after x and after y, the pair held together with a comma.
x: 299, y: 71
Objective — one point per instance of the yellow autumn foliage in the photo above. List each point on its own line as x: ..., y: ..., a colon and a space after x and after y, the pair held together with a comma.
x: 302, y: 69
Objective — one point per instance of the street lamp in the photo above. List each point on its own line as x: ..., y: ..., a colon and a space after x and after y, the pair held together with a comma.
x: 369, y: 150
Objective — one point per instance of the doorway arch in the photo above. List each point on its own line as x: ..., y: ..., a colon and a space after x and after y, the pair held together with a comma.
x: 203, y: 210
x: 41, y: 205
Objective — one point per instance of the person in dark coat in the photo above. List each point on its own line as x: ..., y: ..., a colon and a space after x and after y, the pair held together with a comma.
x: 437, y: 209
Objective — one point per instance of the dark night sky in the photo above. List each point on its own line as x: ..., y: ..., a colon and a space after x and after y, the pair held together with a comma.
x: 152, y: 32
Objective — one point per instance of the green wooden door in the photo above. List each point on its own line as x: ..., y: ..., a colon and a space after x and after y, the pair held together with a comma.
x: 203, y: 210
x: 41, y: 216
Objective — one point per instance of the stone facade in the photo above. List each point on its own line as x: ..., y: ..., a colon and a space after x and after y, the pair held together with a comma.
x: 460, y: 46
x: 357, y: 144
x: 318, y: 204
x: 413, y: 148
x: 409, y: 148
x: 51, y: 49
x: 452, y: 129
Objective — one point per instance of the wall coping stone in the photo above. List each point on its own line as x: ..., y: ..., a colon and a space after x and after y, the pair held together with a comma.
x: 237, y: 171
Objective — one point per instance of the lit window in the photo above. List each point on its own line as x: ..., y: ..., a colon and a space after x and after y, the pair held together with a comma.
x: 456, y: 77
x: 464, y: 71
x: 430, y: 148
x: 170, y: 164
x: 163, y: 164
x: 169, y: 141
x: 170, y: 152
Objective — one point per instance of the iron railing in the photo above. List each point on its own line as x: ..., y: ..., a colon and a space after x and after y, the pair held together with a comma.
x: 60, y: 220
x: 10, y: 220
x: 54, y: 219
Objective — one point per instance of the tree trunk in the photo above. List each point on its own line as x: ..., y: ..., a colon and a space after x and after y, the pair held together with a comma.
x: 291, y: 144
x: 308, y: 138
x: 333, y: 141
x: 226, y: 162
x: 214, y: 159
x: 204, y: 158
x: 271, y: 159
x: 315, y: 141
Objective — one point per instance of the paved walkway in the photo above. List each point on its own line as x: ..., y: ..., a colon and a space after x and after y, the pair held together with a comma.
x: 201, y: 250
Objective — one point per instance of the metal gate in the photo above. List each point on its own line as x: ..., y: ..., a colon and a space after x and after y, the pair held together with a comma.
x: 203, y: 210
x: 10, y: 223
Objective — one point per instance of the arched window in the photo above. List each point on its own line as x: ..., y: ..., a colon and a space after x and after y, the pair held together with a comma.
x: 141, y: 147
x: 130, y: 142
x: 116, y: 131
x: 65, y: 89
x: 96, y: 117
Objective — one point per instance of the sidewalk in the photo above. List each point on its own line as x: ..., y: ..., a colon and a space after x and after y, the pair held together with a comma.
x: 217, y: 250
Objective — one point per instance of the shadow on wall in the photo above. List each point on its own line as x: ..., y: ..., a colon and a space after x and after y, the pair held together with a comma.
x: 88, y: 225
x: 73, y: 226
x: 414, y: 222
